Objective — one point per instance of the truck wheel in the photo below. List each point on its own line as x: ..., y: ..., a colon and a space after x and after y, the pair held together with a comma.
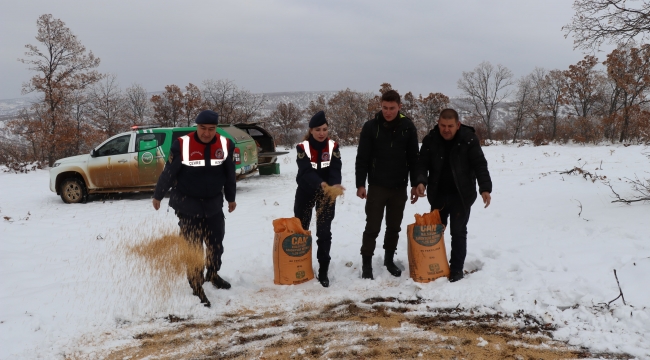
x: 73, y: 191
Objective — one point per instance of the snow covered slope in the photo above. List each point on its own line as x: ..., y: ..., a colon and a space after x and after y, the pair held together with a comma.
x: 547, y: 245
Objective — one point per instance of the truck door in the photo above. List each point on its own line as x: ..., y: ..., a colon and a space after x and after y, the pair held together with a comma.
x: 151, y: 158
x: 108, y: 166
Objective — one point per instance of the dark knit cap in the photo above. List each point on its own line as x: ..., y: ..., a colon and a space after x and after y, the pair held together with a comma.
x: 317, y: 120
x: 207, y: 117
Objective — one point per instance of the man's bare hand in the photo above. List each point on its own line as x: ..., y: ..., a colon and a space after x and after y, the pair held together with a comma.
x: 231, y: 206
x: 361, y: 192
x: 486, y: 198
x: 420, y: 190
x: 414, y: 195
x: 156, y: 204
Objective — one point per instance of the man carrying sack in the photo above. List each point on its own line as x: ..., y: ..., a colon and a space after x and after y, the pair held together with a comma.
x: 387, y: 153
x: 451, y: 163
x: 201, y: 170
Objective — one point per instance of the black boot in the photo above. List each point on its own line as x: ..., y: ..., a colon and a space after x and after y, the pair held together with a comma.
x: 219, y: 282
x: 390, y: 265
x: 366, y: 269
x: 322, y: 273
x: 455, y: 276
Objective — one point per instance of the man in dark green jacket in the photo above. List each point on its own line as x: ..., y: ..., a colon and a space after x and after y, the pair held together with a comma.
x: 451, y: 163
x: 387, y: 153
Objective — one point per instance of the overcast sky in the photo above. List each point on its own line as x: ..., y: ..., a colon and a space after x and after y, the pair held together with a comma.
x: 292, y: 45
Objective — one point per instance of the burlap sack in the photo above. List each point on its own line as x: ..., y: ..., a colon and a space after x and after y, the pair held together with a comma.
x: 426, y: 248
x: 291, y: 252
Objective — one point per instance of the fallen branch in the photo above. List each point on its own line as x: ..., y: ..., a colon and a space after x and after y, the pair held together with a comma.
x: 620, y: 292
x: 638, y: 186
x: 580, y: 206
x: 584, y: 173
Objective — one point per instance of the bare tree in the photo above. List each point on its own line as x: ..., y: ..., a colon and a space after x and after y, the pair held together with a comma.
x: 485, y: 87
x: 108, y: 105
x: 138, y: 104
x: 552, y: 97
x: 233, y: 105
x: 524, y: 106
x: 80, y: 109
x: 62, y: 67
x: 608, y: 21
x: 249, y: 107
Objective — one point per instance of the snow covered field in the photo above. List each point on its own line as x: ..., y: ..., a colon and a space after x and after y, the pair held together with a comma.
x: 547, y: 245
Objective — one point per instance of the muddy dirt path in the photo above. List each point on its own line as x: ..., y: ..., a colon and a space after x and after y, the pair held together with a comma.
x: 377, y: 328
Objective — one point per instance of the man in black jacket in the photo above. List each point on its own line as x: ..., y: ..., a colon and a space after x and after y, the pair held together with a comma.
x: 451, y: 163
x: 387, y: 153
x: 200, y: 171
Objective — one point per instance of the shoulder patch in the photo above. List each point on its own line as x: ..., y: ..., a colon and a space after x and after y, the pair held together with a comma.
x: 301, y: 155
x: 336, y: 154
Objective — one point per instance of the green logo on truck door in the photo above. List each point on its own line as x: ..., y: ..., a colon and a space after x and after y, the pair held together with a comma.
x: 296, y: 245
x: 147, y: 158
x: 428, y: 235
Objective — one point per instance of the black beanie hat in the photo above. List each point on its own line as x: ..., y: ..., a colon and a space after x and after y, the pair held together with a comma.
x: 207, y: 117
x: 317, y: 120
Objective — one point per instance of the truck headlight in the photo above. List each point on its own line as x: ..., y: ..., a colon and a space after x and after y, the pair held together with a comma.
x: 56, y: 164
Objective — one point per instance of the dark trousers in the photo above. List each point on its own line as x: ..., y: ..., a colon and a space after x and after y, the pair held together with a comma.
x: 325, y: 208
x: 451, y: 206
x: 198, y: 230
x: 378, y: 198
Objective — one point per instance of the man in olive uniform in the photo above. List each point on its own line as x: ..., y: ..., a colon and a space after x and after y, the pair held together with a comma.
x: 200, y: 171
x: 386, y: 156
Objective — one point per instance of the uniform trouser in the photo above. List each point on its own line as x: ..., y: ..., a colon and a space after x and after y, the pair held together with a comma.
x: 198, y: 230
x: 378, y: 198
x: 325, y: 208
x: 451, y: 206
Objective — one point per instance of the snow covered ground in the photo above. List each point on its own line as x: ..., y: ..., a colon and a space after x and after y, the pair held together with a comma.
x: 547, y: 245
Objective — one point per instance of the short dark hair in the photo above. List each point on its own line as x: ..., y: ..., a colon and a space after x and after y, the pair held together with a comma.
x: 391, y: 95
x: 448, y: 114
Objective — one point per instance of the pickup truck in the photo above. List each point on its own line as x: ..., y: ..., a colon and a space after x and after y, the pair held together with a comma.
x: 132, y: 161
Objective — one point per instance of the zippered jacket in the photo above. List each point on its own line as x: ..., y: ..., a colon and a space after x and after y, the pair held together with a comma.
x: 199, y: 175
x: 467, y: 163
x: 387, y: 152
x: 318, y: 162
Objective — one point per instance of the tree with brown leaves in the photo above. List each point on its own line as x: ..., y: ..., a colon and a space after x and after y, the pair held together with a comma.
x: 63, y: 66
x: 192, y: 103
x: 429, y: 108
x: 285, y: 122
x: 347, y: 112
x: 583, y: 86
x: 168, y: 106
x: 628, y: 68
